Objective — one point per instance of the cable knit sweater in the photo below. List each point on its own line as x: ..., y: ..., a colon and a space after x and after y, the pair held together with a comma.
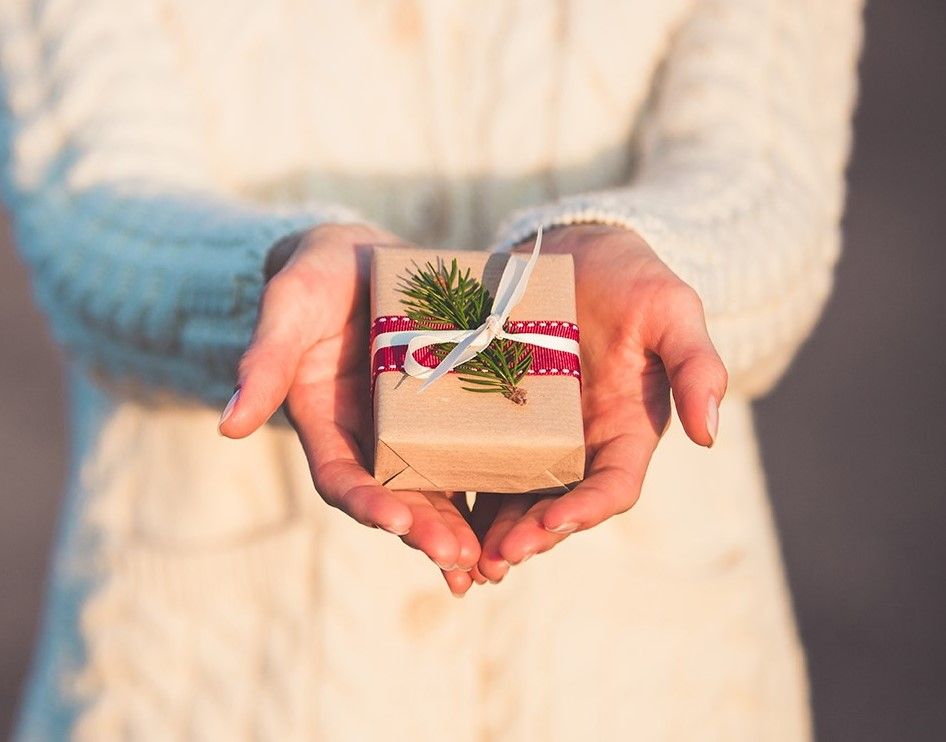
x: 155, y: 149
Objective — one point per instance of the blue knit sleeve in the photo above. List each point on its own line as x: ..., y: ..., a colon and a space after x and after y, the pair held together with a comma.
x: 145, y: 269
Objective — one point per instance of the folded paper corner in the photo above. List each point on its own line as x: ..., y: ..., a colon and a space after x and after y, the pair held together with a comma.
x: 395, y: 473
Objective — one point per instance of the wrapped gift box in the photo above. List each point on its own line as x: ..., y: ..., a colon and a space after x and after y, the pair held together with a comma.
x: 449, y: 438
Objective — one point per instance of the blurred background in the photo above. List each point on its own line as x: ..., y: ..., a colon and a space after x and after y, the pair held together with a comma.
x: 854, y: 439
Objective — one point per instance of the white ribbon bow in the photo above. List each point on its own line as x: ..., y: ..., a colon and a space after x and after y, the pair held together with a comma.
x: 470, y: 343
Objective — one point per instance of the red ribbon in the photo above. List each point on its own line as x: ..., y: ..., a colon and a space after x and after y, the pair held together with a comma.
x: 545, y: 362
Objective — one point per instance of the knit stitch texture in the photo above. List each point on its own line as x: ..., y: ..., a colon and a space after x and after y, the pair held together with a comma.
x: 152, y: 152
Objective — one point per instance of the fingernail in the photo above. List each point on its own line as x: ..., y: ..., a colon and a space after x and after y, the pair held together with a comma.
x: 526, y: 558
x: 712, y: 419
x: 566, y: 527
x: 395, y: 531
x: 457, y: 595
x: 446, y: 567
x: 505, y: 566
x: 228, y: 410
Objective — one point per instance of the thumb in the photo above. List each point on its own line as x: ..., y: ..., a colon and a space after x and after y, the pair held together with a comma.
x: 268, y: 366
x: 697, y: 376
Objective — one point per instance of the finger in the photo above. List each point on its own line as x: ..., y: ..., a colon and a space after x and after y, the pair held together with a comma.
x: 408, y: 514
x: 493, y: 565
x: 528, y: 535
x: 468, y: 542
x: 343, y: 483
x: 612, y: 486
x: 697, y: 375
x: 430, y: 532
x: 458, y: 581
x: 342, y: 480
x: 339, y: 475
x: 269, y: 363
x: 477, y: 576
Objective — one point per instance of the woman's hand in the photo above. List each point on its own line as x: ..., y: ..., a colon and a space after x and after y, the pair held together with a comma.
x: 643, y: 335
x: 310, y: 349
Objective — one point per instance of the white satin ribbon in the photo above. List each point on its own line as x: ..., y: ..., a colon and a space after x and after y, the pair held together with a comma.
x: 470, y: 343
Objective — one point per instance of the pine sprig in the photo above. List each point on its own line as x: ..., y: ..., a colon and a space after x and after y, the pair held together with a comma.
x: 438, y: 295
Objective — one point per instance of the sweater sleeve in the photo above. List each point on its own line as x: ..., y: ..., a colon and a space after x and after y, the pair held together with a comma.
x: 146, y: 270
x: 739, y: 185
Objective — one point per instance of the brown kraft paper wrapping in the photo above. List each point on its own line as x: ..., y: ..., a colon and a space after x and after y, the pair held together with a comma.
x: 447, y: 438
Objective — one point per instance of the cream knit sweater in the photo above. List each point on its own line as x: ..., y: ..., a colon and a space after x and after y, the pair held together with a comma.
x: 154, y: 150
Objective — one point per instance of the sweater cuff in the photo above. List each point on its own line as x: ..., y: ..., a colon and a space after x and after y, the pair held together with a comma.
x: 282, y: 225
x: 614, y: 209
x: 594, y: 208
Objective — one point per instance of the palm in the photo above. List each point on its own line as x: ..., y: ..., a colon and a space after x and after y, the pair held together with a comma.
x: 310, y: 350
x: 317, y: 304
x: 625, y: 395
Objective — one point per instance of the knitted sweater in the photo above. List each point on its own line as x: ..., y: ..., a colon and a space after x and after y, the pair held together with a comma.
x: 154, y: 154
x: 153, y: 151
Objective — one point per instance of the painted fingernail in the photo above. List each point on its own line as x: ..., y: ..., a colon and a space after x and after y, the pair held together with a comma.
x: 228, y: 410
x: 566, y: 527
x: 712, y: 419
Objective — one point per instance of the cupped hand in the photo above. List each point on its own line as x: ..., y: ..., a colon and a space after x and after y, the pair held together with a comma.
x: 643, y: 337
x: 310, y: 350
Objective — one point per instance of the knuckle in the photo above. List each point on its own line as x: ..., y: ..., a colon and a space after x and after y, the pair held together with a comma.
x: 358, y: 502
x: 705, y: 366
x: 250, y: 360
x: 627, y: 501
x: 284, y: 283
x: 723, y: 374
x: 321, y: 475
x: 682, y: 298
x: 623, y: 496
x: 246, y: 365
x: 327, y: 231
x: 256, y: 354
x: 671, y: 306
x: 336, y: 233
x: 675, y: 297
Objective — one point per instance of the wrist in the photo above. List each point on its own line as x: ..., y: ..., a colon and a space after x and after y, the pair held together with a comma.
x: 331, y: 233
x: 575, y: 237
